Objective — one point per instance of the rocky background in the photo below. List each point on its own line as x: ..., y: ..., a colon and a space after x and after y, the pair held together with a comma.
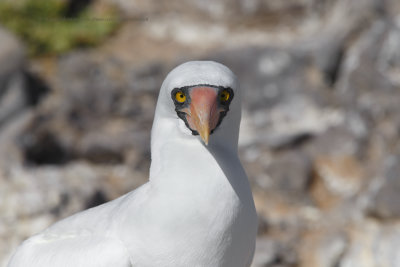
x: 320, y: 129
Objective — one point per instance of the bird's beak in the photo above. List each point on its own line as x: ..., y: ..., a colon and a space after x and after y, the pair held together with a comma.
x: 204, y: 113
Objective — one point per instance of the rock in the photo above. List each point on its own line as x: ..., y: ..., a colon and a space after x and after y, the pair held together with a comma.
x: 368, y: 87
x: 340, y: 200
x: 342, y: 175
x: 323, y: 248
x: 368, y: 81
x: 391, y: 8
x: 372, y: 245
x: 44, y: 147
x: 146, y: 78
x: 101, y: 148
x: 384, y: 198
x: 388, y: 62
x: 12, y: 52
x: 290, y: 174
x: 20, y: 90
x: 12, y: 101
x: 327, y: 48
x: 335, y: 141
x: 90, y: 115
x: 287, y: 105
x: 12, y: 59
x: 296, y: 120
x: 270, y: 253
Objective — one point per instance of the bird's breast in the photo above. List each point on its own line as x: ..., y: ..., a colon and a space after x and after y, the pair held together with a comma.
x: 196, y: 231
x: 201, y: 213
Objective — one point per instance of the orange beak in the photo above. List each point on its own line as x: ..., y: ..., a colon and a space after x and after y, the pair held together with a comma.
x: 204, y: 115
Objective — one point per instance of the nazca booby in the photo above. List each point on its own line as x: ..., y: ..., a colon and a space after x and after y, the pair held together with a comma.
x: 197, y: 208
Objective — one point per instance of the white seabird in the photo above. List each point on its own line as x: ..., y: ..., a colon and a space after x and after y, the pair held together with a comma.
x: 197, y: 208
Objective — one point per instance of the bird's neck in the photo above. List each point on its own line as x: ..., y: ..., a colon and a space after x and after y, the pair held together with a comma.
x: 179, y: 159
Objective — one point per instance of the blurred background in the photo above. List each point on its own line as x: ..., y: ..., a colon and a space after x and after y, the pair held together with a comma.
x: 321, y: 116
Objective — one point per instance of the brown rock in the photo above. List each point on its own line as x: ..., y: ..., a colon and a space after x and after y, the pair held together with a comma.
x: 335, y: 178
x: 322, y: 248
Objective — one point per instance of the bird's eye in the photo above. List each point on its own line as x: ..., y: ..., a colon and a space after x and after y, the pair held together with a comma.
x: 224, y: 96
x: 180, y: 97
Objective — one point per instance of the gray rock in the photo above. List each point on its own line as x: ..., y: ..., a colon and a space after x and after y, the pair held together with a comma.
x: 368, y: 79
x: 294, y: 121
x: 331, y: 250
x: 90, y: 115
x: 271, y: 253
x: 20, y: 90
x: 12, y: 59
x: 12, y: 54
x: 286, y: 104
x: 384, y: 200
x: 13, y: 99
x: 373, y: 245
x: 290, y: 174
x: 337, y: 140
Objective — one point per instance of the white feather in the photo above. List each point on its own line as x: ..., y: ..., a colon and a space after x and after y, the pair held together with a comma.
x: 196, y: 210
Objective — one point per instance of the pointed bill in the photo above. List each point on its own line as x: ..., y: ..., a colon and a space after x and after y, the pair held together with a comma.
x: 204, y: 111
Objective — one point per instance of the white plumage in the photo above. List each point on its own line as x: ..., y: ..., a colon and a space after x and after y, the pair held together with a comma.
x: 196, y: 210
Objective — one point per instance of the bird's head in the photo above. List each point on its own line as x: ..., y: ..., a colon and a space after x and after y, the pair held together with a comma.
x: 203, y: 101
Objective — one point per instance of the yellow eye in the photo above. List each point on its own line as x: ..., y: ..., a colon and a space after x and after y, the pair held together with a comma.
x: 224, y: 96
x: 180, y: 97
